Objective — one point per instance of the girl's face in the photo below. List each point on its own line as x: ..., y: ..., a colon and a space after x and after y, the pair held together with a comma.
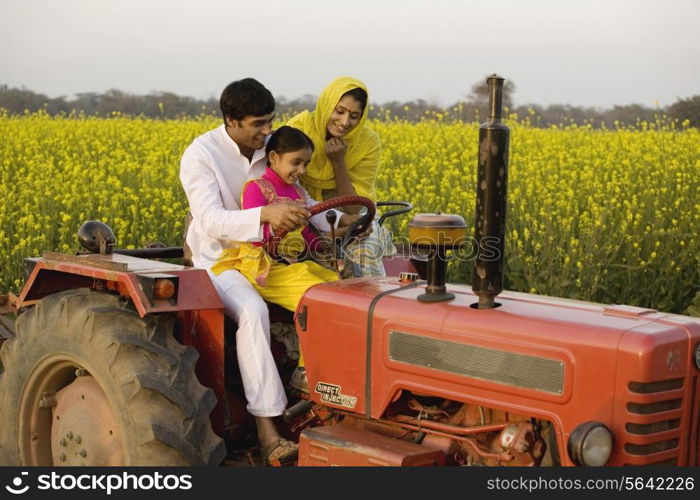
x: 345, y: 117
x: 291, y: 165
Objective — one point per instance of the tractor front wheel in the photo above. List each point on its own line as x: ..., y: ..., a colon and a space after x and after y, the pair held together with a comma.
x: 88, y: 382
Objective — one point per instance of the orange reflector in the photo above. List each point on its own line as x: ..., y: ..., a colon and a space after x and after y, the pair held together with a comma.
x: 163, y: 288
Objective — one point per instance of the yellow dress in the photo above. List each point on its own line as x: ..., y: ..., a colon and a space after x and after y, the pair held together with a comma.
x: 276, y: 282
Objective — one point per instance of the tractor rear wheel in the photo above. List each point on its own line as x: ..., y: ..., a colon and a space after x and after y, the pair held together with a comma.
x: 88, y: 382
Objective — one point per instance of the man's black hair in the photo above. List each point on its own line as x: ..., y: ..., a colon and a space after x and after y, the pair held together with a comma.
x: 246, y: 97
x: 359, y: 95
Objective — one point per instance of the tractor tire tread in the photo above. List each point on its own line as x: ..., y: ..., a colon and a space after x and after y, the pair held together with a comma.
x: 144, y: 371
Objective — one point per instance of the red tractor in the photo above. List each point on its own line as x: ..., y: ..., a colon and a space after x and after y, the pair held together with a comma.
x: 116, y: 359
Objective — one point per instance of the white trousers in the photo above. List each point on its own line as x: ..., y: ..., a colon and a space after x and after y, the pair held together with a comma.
x: 261, y: 380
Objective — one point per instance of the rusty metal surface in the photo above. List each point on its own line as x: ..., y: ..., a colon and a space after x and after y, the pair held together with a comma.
x: 69, y: 271
x: 341, y: 445
x: 112, y: 262
x: 491, y: 193
x: 137, y: 265
x: 92, y: 260
x: 155, y: 252
x: 49, y: 281
x: 453, y: 429
x: 84, y: 428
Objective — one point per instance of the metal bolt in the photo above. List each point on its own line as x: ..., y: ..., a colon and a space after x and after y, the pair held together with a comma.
x: 80, y: 372
x: 83, y: 453
x: 78, y: 439
x: 48, y: 400
x: 63, y: 442
x: 62, y: 458
x: 69, y: 435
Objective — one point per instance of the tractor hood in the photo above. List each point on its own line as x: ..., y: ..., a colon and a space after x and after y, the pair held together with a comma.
x: 367, y: 339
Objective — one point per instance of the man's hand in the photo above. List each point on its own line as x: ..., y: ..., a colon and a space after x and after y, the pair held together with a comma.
x: 286, y: 216
x: 335, y: 149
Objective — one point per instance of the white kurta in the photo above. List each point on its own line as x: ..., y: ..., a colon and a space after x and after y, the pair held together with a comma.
x: 213, y: 172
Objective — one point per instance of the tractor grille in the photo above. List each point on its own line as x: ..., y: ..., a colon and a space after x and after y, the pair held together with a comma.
x: 503, y: 367
x: 694, y: 427
x: 652, y: 433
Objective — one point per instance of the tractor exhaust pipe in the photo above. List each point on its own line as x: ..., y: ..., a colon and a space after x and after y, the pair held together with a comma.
x: 491, y: 188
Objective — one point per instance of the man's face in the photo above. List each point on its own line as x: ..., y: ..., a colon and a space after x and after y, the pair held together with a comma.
x: 250, y: 131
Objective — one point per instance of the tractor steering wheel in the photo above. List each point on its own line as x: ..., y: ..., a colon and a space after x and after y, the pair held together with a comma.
x: 340, y: 201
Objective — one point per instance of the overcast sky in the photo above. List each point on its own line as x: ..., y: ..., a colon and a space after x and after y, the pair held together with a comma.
x: 586, y: 52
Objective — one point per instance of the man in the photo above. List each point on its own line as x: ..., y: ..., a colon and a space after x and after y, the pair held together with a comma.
x: 213, y: 170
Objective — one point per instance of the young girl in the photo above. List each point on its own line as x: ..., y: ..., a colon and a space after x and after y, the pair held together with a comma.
x: 288, y: 153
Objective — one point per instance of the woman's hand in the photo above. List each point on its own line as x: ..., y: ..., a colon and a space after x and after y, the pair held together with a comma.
x: 335, y: 150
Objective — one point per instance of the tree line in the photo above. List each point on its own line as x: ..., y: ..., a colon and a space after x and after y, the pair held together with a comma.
x: 474, y: 107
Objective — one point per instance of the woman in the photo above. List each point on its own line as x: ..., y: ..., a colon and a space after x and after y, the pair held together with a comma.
x: 345, y: 162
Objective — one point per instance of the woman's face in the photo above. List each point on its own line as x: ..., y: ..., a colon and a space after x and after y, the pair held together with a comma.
x: 291, y: 165
x: 345, y: 117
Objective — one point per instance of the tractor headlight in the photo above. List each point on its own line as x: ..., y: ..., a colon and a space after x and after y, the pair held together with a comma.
x: 697, y: 355
x: 590, y: 444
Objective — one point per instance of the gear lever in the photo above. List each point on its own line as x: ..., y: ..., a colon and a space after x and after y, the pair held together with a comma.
x: 331, y: 217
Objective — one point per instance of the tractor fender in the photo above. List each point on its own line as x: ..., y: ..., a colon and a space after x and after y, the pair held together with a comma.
x: 132, y: 277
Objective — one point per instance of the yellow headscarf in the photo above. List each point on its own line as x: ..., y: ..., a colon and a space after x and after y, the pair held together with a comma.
x: 363, y: 151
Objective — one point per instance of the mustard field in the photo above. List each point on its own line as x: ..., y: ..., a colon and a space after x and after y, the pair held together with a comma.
x: 603, y: 215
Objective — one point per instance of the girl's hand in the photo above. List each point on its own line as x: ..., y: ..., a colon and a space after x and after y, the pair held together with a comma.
x: 335, y: 149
